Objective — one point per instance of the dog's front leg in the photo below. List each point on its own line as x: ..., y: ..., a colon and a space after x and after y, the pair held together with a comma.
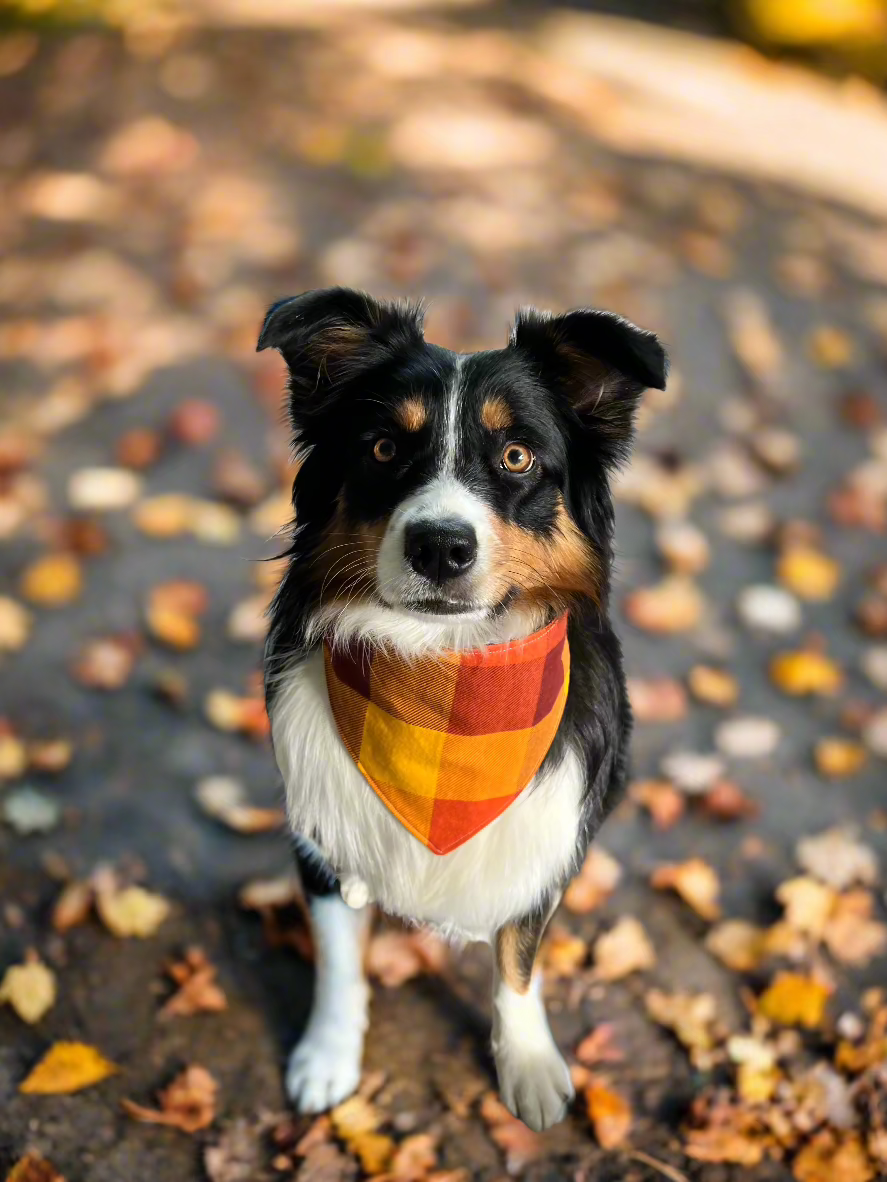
x: 324, y: 1068
x: 534, y: 1080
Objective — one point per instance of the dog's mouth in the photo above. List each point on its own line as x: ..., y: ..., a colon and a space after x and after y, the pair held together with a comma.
x: 443, y: 606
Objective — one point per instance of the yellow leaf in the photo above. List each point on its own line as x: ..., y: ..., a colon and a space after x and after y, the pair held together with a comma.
x: 65, y: 1068
x: 610, y: 1115
x: 755, y: 1083
x: 795, y: 1000
x: 837, y: 758
x: 805, y: 672
x: 29, y: 988
x: 690, y: 1016
x: 811, y: 574
x: 132, y: 911
x: 355, y: 1118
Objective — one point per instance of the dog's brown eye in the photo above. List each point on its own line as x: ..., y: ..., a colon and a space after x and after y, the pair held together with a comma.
x: 517, y: 458
x: 384, y: 450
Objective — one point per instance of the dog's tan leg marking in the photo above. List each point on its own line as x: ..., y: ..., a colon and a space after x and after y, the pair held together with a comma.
x: 534, y: 1080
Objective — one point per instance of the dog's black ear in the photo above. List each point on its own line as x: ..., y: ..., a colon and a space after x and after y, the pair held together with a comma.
x: 600, y: 362
x: 329, y: 335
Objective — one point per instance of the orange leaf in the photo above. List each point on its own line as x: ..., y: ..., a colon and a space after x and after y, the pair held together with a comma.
x: 189, y: 1103
x: 795, y: 1000
x: 609, y: 1113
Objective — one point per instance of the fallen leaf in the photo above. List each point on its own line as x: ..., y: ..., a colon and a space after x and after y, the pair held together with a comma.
x: 34, y: 1168
x: 65, y: 1068
x: 194, y: 422
x: 837, y: 858
x: 610, y: 1115
x: 16, y: 623
x: 520, y: 1145
x: 28, y: 811
x: 725, y: 801
x: 105, y: 664
x: 724, y: 1145
x: 833, y: 1156
x: 128, y: 911
x: 562, y: 952
x: 355, y: 1117
x: 623, y: 950
x: 737, y: 944
x: 657, y: 699
x: 95, y: 490
x: 595, y: 882
x: 769, y: 609
x: 13, y: 754
x: 683, y: 546
x: 806, y: 672
x: 394, y: 957
x: 224, y: 799
x: 661, y: 799
x: 674, y: 605
x: 198, y: 992
x: 838, y: 758
x: 808, y: 905
x: 73, y: 906
x: 809, y: 573
x: 752, y: 335
x: 600, y: 1047
x: 831, y: 347
x: 852, y: 935
x: 795, y: 1000
x: 695, y: 881
x: 53, y: 581
x: 747, y: 737
x: 236, y: 1156
x: 690, y: 1016
x: 414, y: 1158
x: 713, y: 687
x: 374, y: 1151
x: 29, y: 988
x: 694, y: 772
x: 138, y: 448
x: 188, y: 1103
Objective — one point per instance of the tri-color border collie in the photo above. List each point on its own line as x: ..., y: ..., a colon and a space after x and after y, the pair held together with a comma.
x: 447, y: 506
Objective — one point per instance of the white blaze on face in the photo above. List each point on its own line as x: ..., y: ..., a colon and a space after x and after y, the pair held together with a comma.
x: 443, y: 499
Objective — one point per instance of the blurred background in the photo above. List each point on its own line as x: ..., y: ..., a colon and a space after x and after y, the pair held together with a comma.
x: 714, y: 171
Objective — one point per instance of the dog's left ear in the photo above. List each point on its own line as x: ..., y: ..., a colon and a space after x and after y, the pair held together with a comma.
x: 600, y: 362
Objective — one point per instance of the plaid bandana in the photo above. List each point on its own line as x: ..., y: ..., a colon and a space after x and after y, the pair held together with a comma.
x: 448, y: 742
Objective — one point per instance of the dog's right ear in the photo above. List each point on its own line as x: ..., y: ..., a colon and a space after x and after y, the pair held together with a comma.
x: 330, y: 335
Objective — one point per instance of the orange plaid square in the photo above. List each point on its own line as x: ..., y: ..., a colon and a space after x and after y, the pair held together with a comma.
x: 448, y: 742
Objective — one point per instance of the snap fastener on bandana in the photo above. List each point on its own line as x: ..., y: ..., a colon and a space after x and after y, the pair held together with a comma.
x: 449, y: 741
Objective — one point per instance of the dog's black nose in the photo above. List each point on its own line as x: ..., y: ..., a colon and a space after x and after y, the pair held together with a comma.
x: 440, y: 550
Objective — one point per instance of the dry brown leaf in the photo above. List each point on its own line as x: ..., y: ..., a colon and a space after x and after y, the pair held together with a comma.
x: 236, y: 1156
x: 67, y: 1067
x: 73, y: 906
x: 795, y: 1000
x: 725, y: 801
x: 224, y: 799
x: 198, y: 992
x: 690, y: 1016
x: 805, y: 672
x: 595, y: 882
x: 394, y: 957
x: 834, y: 1156
x: 29, y: 988
x: 674, y: 605
x: 665, y: 804
x: 724, y: 1145
x: 713, y: 687
x: 610, y: 1115
x: 809, y: 573
x: 695, y: 881
x: 414, y: 1158
x: 520, y: 1145
x: 852, y: 935
x: 34, y: 1168
x: 808, y: 905
x: 657, y: 699
x: 737, y: 944
x: 623, y: 950
x: 188, y: 1103
x: 55, y: 580
x: 563, y: 953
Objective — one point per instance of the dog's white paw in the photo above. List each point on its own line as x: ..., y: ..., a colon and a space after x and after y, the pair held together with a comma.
x: 324, y: 1068
x: 535, y: 1084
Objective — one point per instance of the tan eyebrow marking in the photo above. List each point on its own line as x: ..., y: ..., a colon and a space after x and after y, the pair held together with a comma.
x: 495, y: 414
x: 411, y: 415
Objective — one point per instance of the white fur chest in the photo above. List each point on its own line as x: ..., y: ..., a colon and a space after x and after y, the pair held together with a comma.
x: 500, y: 874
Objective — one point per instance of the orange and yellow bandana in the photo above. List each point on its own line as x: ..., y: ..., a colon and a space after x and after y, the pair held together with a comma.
x: 448, y: 742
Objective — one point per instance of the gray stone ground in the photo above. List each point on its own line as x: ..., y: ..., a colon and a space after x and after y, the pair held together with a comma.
x: 589, y: 227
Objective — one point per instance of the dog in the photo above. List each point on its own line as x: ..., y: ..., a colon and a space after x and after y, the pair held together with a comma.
x: 452, y: 515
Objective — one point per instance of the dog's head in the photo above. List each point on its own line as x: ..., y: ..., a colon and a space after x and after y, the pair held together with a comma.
x: 448, y: 488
